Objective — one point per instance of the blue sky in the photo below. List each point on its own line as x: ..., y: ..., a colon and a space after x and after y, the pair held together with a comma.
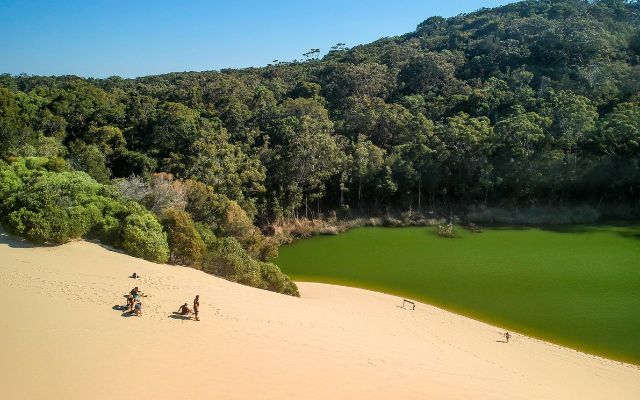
x: 129, y: 38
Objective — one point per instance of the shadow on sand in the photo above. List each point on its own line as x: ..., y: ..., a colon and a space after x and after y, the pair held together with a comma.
x: 12, y: 241
x: 125, y: 311
x: 177, y: 315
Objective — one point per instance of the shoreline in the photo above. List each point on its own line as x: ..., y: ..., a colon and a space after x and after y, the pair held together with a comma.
x: 495, y: 324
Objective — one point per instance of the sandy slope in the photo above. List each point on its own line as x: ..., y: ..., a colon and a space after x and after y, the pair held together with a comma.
x: 60, y: 338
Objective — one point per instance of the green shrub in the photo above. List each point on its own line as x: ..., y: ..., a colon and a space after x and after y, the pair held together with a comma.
x: 227, y: 258
x: 90, y: 159
x: 52, y: 207
x: 207, y: 235
x: 275, y: 280
x: 52, y: 225
x: 57, y: 164
x: 43, y: 202
x: 185, y: 244
x: 55, y: 207
x: 10, y: 182
x: 108, y: 230
x: 35, y: 163
x: 142, y: 236
x: 235, y: 221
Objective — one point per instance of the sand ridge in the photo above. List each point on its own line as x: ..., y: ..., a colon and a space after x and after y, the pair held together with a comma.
x: 62, y: 338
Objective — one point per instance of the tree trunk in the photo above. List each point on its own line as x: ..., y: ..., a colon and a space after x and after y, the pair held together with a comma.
x: 419, y: 195
x: 360, y: 193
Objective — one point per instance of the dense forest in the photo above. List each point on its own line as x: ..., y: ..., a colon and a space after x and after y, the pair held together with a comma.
x: 530, y: 104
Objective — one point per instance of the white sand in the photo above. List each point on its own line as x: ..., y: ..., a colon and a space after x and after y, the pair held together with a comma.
x: 61, y: 339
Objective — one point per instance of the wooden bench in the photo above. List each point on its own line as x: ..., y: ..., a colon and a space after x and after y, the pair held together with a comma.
x: 405, y: 301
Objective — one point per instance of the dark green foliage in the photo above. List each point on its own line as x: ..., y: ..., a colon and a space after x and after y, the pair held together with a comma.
x: 620, y: 131
x: 90, y: 159
x: 125, y: 163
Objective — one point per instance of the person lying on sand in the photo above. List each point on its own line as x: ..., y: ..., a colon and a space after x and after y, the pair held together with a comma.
x: 184, y: 309
x: 196, y: 305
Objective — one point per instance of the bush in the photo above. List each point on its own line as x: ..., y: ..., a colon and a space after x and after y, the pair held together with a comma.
x: 57, y: 164
x: 259, y: 246
x: 55, y: 207
x: 228, y: 259
x: 142, y: 236
x: 446, y: 231
x: 207, y: 235
x: 236, y: 222
x: 185, y: 244
x: 90, y: 159
x: 273, y: 279
x: 52, y: 207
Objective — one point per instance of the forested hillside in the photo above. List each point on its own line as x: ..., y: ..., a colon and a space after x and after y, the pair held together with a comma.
x: 536, y: 102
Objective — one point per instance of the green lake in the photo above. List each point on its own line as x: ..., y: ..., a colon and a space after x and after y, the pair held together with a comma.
x: 577, y: 286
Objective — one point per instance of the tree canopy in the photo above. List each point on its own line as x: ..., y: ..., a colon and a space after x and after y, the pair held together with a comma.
x: 535, y: 101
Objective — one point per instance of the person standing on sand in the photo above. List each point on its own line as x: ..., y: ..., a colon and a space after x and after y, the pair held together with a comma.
x: 196, y: 305
x: 130, y: 302
x: 135, y: 292
x: 507, y: 336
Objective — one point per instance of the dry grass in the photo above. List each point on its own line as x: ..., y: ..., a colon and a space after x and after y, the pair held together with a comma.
x: 290, y: 230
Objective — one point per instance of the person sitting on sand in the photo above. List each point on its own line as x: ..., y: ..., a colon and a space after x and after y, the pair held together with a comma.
x: 196, y: 305
x: 184, y: 309
x: 138, y: 308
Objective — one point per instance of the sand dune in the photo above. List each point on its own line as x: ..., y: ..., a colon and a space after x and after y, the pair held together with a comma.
x: 61, y: 338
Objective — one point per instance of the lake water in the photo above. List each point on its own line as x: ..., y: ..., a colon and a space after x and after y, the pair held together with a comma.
x: 578, y: 286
